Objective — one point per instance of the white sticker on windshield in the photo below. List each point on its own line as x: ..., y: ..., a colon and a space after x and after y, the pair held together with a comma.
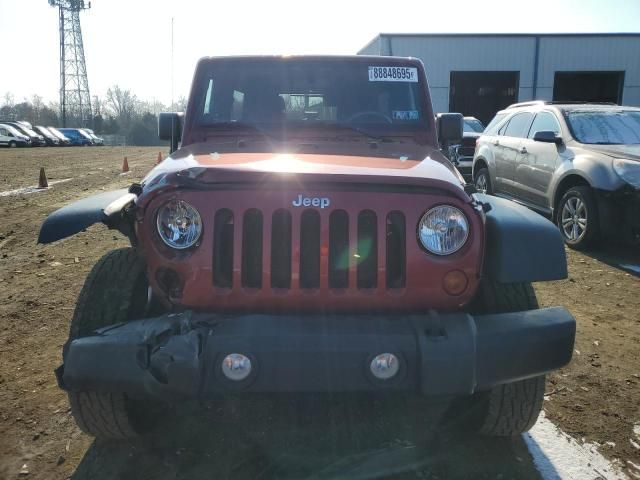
x: 405, y: 115
x: 393, y: 74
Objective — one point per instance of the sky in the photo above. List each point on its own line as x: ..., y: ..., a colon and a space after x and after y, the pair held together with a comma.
x: 128, y: 42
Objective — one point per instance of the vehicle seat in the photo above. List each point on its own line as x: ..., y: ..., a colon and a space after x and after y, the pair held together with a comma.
x: 263, y: 108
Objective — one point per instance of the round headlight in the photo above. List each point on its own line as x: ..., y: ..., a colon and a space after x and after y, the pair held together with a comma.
x: 179, y: 224
x: 443, y: 230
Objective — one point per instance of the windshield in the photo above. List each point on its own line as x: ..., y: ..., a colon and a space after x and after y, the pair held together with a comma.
x: 620, y: 127
x: 84, y: 134
x: 56, y: 132
x: 284, y: 94
x: 492, y: 128
x: 473, y: 125
x: 12, y: 130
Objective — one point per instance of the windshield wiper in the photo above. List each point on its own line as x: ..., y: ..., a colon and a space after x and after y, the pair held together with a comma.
x: 282, y: 131
x: 352, y: 128
x: 366, y: 133
x: 241, y: 129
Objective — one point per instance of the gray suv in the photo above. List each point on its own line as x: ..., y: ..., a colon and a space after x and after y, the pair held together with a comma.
x: 577, y: 163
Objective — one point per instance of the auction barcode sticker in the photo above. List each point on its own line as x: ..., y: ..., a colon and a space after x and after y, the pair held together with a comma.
x: 393, y: 74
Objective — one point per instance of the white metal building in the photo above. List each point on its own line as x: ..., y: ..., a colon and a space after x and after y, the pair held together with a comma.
x: 478, y: 74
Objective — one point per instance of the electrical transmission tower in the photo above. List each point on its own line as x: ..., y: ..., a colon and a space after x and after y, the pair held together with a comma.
x: 75, y: 101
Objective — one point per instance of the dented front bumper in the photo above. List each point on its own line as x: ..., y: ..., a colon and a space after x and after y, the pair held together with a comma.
x: 180, y: 355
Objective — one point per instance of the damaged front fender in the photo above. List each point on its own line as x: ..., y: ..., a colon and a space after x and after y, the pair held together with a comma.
x: 108, y: 208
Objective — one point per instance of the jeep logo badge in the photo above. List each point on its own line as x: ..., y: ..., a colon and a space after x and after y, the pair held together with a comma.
x: 301, y: 201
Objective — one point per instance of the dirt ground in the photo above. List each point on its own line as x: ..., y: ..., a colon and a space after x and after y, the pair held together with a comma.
x: 595, y: 398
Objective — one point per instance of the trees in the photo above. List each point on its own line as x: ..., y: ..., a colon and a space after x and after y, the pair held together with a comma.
x: 122, y: 105
x: 144, y: 130
x: 33, y: 111
x: 8, y: 100
x: 120, y: 112
x: 135, y: 119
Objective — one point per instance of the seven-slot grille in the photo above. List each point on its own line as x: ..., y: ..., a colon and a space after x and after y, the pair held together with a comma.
x: 305, y: 249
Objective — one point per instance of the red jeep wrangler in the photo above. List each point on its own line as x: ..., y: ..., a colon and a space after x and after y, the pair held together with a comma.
x: 308, y: 236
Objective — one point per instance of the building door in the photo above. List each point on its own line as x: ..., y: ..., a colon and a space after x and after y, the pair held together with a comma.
x: 482, y: 94
x: 588, y: 87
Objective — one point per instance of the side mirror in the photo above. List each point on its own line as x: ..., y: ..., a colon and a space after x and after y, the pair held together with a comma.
x: 547, y: 136
x: 449, y: 127
x: 170, y: 128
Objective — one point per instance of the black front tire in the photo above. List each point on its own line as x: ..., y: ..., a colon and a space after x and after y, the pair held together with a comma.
x: 589, y: 234
x: 482, y: 181
x: 115, y: 291
x: 513, y: 408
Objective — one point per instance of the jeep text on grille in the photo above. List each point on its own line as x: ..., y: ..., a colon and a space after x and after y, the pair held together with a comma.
x: 302, y: 201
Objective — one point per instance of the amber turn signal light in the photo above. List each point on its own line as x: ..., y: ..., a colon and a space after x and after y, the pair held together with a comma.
x: 455, y: 282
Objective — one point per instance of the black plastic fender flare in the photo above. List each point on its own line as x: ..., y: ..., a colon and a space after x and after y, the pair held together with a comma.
x: 77, y: 216
x: 520, y: 244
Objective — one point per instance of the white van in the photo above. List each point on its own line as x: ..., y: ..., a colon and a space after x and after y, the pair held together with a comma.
x: 11, y: 137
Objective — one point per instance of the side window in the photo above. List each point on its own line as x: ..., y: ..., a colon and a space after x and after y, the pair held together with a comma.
x: 208, y: 98
x: 3, y: 132
x: 237, y: 106
x: 503, y: 128
x: 492, y: 128
x: 519, y: 125
x: 544, y: 122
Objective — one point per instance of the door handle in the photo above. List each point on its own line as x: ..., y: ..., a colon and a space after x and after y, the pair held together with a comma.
x: 523, y: 150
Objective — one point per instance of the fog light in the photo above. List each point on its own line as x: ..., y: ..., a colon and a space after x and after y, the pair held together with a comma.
x: 236, y: 366
x: 385, y: 366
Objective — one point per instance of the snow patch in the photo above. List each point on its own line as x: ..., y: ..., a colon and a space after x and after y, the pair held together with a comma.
x: 32, y: 189
x: 634, y: 465
x: 558, y: 456
x: 633, y: 268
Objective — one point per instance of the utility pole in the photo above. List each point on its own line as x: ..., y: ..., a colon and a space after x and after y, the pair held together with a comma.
x: 75, y: 100
x: 171, y: 62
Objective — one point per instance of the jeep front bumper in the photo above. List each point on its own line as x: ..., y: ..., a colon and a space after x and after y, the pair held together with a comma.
x: 180, y: 355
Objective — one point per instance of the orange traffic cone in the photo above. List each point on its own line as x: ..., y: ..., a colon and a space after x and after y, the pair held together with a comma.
x: 125, y: 165
x: 42, y: 181
x: 159, y: 157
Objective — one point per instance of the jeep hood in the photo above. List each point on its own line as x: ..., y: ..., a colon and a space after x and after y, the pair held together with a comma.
x: 191, y: 167
x: 631, y: 152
